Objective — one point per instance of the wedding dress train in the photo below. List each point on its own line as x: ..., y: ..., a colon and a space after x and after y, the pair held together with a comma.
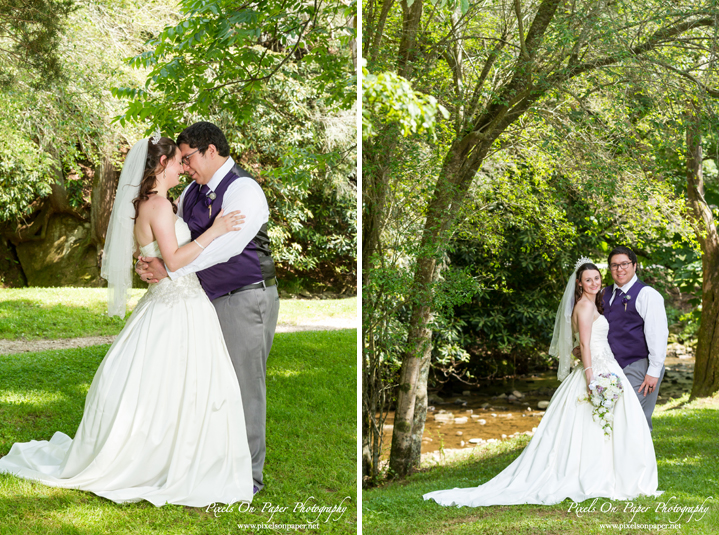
x: 163, y: 418
x: 569, y: 456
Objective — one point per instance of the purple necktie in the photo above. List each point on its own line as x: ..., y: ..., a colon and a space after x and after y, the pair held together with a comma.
x: 619, y: 297
x: 204, y: 192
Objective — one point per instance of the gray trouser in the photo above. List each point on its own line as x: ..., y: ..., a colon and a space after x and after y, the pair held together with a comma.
x: 635, y: 372
x: 248, y: 320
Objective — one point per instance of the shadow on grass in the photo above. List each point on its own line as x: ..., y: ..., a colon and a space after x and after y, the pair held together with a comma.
x: 41, y: 393
x: 41, y: 515
x: 311, y: 408
x: 32, y: 508
x: 685, y: 446
x: 679, y: 406
x: 311, y: 379
x: 311, y: 423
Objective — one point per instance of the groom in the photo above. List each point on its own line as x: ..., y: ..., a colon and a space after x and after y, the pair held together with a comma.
x: 236, y: 270
x: 638, y: 328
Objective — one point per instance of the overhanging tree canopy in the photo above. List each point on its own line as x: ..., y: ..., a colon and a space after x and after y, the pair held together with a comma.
x: 491, y: 64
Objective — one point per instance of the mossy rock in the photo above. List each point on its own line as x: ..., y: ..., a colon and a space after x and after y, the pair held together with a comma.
x: 64, y: 258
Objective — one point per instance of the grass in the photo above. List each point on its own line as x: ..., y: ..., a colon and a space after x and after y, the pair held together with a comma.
x: 311, y: 444
x: 51, y: 313
x: 297, y: 311
x: 686, y: 448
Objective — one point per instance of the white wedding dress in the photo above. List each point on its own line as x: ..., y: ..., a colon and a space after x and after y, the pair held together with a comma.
x: 569, y: 456
x: 163, y: 419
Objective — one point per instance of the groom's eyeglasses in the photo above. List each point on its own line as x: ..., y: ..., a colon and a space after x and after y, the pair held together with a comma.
x: 623, y: 265
x: 186, y: 159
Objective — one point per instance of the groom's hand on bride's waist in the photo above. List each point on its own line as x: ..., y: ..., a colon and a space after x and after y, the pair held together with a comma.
x: 150, y: 269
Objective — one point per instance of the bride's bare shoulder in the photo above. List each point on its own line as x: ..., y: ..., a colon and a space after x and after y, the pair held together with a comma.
x: 584, y: 311
x: 155, y: 205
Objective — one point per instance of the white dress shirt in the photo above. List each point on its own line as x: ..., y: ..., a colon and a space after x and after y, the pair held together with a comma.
x: 243, y: 194
x: 650, y: 306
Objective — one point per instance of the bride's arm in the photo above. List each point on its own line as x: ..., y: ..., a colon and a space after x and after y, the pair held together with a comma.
x: 162, y: 223
x: 584, y: 317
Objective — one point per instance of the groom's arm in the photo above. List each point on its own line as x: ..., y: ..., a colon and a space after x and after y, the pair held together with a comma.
x: 245, y: 195
x: 650, y: 306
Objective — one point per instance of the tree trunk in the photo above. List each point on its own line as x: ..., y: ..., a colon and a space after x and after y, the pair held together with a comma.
x: 367, y: 466
x: 373, y: 214
x: 455, y: 179
x: 352, y: 23
x: 374, y: 195
x: 527, y: 84
x: 375, y: 189
x: 104, y: 186
x: 373, y: 402
x: 459, y: 169
x: 706, y: 367
x: 408, y: 43
x: 407, y: 432
x: 372, y: 43
x: 420, y: 411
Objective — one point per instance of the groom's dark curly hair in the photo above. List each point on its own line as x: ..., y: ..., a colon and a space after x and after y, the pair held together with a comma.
x: 203, y: 134
x: 623, y: 250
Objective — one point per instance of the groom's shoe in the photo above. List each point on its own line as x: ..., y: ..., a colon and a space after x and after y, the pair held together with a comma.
x: 255, y: 489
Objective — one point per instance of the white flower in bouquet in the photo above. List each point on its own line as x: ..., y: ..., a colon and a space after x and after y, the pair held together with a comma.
x: 606, y: 388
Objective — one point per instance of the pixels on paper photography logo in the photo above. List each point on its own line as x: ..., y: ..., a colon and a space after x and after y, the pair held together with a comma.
x: 671, y: 512
x: 295, y: 516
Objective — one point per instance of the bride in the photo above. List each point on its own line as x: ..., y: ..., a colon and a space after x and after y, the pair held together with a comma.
x: 163, y: 418
x: 570, y: 456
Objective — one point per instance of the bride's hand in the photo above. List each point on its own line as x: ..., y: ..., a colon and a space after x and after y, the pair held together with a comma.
x: 150, y: 269
x: 228, y: 223
x: 589, y: 376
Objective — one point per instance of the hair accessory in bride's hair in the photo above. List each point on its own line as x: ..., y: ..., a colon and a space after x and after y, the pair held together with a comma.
x: 156, y: 135
x: 581, y: 262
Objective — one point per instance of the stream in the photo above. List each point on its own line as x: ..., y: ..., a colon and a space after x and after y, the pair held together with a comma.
x: 501, y: 409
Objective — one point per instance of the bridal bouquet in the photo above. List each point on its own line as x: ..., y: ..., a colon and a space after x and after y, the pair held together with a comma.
x: 605, y: 391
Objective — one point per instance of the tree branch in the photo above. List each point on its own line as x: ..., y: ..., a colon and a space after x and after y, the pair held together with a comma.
x: 660, y: 36
x: 277, y: 68
x: 520, y: 28
x: 714, y: 93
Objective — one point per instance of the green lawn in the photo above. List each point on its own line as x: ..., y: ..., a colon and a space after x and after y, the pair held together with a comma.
x: 685, y: 440
x: 296, y: 311
x: 311, y: 444
x: 33, y: 313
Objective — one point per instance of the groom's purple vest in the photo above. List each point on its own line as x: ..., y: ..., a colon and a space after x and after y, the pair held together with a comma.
x: 626, y: 327
x: 252, y: 265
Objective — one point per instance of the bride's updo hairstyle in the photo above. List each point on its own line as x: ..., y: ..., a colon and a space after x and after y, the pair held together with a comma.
x: 164, y: 147
x: 578, y: 290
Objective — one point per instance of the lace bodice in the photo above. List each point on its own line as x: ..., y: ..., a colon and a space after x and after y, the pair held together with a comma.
x: 170, y: 291
x: 602, y: 354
